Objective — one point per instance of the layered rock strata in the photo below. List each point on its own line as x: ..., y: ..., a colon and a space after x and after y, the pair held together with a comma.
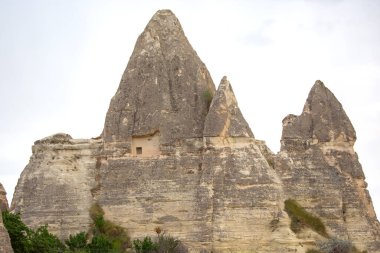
x: 178, y: 155
x: 57, y: 185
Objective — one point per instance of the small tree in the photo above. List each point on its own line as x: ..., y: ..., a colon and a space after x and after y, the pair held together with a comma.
x: 25, y: 240
x: 18, y: 232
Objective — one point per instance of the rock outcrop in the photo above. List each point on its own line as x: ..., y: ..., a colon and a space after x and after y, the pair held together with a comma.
x: 177, y: 154
x: 320, y: 169
x: 5, y: 243
x: 56, y: 186
x: 3, y: 199
x: 162, y: 90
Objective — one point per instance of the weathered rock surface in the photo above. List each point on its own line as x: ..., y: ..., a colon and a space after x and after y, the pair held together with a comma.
x: 320, y: 169
x: 55, y: 187
x: 3, y: 199
x: 162, y: 89
x: 169, y: 156
x: 224, y: 118
x: 5, y: 243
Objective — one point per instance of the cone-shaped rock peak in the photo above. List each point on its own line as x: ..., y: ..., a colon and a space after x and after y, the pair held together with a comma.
x: 225, y: 118
x: 323, y: 120
x: 162, y: 89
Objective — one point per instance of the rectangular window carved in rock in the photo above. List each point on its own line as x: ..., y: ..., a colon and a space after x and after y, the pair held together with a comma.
x: 138, y: 150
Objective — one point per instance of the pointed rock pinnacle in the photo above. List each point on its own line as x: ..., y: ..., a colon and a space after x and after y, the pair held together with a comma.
x: 225, y: 118
x: 323, y: 120
x: 162, y: 88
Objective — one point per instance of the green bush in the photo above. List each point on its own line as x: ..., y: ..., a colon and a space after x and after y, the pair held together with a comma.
x: 77, y: 242
x: 301, y: 218
x: 145, y: 246
x: 100, y: 244
x: 45, y: 242
x: 116, y: 235
x: 18, y: 232
x: 166, y: 244
x: 26, y: 240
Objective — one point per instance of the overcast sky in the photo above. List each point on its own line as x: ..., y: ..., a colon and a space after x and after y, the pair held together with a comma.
x: 61, y: 62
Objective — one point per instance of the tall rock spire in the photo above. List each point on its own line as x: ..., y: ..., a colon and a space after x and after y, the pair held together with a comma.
x: 224, y: 118
x: 162, y: 89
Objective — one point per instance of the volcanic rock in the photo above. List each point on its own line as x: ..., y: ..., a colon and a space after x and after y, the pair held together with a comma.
x: 176, y: 154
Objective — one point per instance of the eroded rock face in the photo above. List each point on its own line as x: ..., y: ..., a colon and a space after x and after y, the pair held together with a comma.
x: 162, y: 89
x: 5, y: 243
x: 320, y: 169
x: 55, y: 187
x: 224, y: 118
x: 3, y: 199
x: 171, y: 157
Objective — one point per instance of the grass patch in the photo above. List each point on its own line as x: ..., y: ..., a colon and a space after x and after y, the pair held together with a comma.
x: 301, y: 218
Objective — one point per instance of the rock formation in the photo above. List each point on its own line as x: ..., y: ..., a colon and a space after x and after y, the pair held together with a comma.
x: 3, y: 199
x: 319, y: 167
x: 55, y: 187
x: 177, y: 154
x: 5, y: 243
x: 162, y: 89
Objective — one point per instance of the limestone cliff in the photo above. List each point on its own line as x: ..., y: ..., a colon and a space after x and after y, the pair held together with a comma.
x: 177, y: 154
x: 5, y: 243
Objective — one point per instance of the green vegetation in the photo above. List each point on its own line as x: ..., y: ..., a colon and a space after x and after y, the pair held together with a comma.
x: 106, y: 238
x: 145, y: 246
x: 301, y: 218
x: 208, y: 95
x: 163, y: 244
x: 78, y: 242
x: 27, y: 240
x: 102, y: 228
